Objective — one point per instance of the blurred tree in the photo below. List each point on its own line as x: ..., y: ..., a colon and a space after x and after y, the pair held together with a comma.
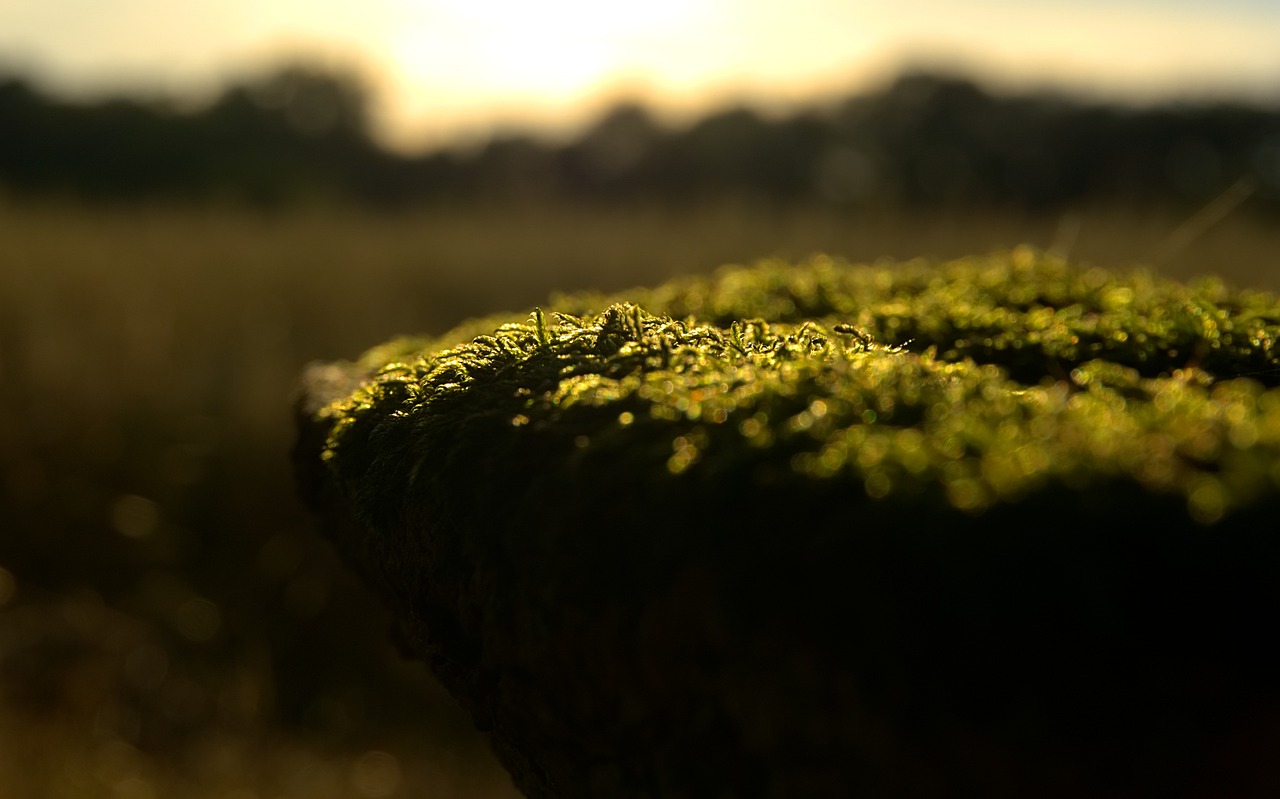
x: 615, y: 156
x: 737, y: 152
x: 24, y: 121
x: 314, y: 102
x: 301, y: 132
x: 513, y: 167
x: 296, y: 131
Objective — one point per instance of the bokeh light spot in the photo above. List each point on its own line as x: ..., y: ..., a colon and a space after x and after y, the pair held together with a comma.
x: 197, y: 620
x: 376, y: 775
x: 134, y: 516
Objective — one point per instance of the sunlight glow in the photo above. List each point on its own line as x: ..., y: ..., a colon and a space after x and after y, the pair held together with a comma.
x: 486, y: 63
x: 557, y: 64
x: 444, y: 69
x: 506, y: 62
x: 552, y: 48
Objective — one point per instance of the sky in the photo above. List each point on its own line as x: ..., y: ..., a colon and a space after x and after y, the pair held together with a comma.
x: 441, y: 70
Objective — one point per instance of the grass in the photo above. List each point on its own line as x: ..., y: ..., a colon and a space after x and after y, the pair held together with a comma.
x: 147, y: 359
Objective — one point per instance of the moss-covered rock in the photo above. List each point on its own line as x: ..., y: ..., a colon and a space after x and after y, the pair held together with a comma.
x: 999, y: 526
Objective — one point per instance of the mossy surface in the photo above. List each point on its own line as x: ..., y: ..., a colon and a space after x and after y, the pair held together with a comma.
x: 994, y: 527
x: 981, y: 382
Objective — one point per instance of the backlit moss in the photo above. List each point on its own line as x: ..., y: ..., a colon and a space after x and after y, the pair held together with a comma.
x: 885, y: 517
x: 976, y: 383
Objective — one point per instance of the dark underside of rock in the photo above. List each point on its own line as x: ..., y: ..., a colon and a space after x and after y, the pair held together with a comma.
x: 996, y: 528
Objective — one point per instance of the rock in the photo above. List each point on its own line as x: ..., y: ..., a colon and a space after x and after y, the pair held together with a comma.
x: 1000, y: 527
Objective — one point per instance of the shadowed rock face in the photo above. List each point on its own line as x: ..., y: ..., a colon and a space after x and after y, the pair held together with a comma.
x: 995, y: 528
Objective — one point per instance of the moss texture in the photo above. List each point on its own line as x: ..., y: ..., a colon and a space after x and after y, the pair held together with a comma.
x: 1000, y: 525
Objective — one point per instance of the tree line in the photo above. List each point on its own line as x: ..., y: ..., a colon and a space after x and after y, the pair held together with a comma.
x: 931, y: 140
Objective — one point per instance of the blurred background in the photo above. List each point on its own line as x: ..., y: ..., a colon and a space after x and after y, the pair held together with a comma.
x: 197, y: 199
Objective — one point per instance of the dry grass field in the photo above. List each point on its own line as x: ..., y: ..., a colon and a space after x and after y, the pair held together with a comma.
x: 170, y: 623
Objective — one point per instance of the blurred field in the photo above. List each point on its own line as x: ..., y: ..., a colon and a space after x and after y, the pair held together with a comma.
x: 170, y: 623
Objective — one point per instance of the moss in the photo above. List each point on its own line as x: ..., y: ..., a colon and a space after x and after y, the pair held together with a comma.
x: 1006, y: 376
x: 999, y: 526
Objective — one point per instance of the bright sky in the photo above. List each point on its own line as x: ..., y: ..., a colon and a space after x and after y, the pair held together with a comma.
x: 441, y: 69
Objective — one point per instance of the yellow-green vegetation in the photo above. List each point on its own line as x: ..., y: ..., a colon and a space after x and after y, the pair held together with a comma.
x: 999, y: 526
x: 980, y: 382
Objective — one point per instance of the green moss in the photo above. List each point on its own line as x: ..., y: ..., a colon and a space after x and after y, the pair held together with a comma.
x: 982, y: 382
x: 818, y: 529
